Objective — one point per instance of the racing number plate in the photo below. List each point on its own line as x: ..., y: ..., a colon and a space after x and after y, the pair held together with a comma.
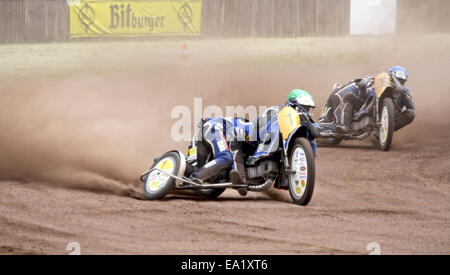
x: 382, y: 81
x: 288, y: 120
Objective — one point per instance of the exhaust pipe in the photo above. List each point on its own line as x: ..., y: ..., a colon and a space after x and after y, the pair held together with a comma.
x: 261, y: 187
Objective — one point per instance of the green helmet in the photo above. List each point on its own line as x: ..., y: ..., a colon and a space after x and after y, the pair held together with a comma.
x: 302, y: 97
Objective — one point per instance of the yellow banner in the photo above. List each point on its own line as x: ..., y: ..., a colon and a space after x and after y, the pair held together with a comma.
x: 115, y: 18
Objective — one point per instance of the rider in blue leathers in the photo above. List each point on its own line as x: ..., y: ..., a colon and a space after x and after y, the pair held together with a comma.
x: 347, y: 99
x: 211, y: 139
x: 214, y: 136
x: 344, y: 100
x: 244, y: 141
x: 405, y: 113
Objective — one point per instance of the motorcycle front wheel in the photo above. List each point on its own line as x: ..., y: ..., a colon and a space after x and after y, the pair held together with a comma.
x: 302, y: 176
x: 386, y: 129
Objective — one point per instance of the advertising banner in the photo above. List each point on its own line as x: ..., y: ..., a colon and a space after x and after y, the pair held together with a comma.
x: 113, y: 18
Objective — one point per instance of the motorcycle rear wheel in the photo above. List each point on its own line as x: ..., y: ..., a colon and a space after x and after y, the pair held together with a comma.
x: 332, y: 141
x: 210, y: 193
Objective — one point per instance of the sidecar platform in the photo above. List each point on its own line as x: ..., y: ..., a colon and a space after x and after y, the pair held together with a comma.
x: 186, y: 183
x: 329, y: 130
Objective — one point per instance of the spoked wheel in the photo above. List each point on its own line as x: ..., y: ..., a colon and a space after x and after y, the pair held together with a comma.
x: 159, y: 183
x: 386, y: 129
x: 302, y: 177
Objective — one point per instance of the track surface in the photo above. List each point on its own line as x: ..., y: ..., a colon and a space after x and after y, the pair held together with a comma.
x: 73, y: 147
x: 406, y: 212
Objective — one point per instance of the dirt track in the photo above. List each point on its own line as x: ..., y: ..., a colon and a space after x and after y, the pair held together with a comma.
x: 73, y: 147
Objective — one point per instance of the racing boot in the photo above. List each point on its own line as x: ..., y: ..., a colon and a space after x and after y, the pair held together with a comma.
x: 237, y: 175
x: 237, y: 179
x: 343, y: 129
x: 211, y: 169
x: 346, y: 128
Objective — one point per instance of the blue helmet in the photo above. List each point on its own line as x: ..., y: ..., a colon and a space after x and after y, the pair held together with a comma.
x: 399, y: 73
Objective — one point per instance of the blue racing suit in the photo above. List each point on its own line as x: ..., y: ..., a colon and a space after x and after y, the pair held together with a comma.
x: 343, y: 101
x: 214, y: 138
x: 243, y: 142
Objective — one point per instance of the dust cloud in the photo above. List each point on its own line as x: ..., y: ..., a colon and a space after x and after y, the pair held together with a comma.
x: 101, y: 132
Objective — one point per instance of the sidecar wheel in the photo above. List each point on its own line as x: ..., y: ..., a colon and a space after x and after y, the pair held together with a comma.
x: 302, y: 177
x: 158, y: 184
x: 386, y: 129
